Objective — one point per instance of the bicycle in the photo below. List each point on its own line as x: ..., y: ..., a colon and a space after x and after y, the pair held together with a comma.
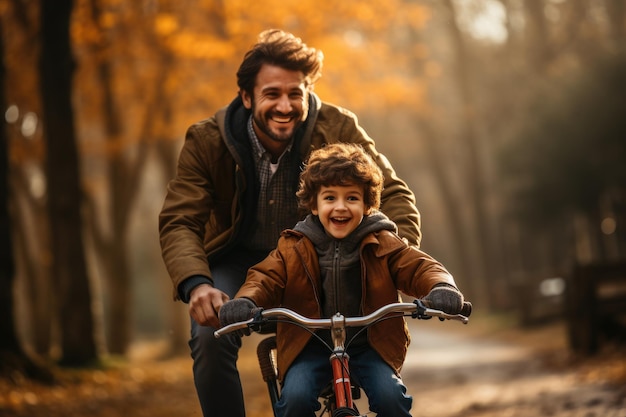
x: 338, y: 398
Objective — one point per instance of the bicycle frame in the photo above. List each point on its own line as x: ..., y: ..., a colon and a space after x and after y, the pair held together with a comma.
x: 343, y: 404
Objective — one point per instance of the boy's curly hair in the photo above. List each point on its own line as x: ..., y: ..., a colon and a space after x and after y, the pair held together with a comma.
x: 340, y: 164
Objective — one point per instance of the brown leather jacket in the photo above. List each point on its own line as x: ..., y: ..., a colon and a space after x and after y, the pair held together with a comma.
x: 210, y: 201
x: 290, y: 277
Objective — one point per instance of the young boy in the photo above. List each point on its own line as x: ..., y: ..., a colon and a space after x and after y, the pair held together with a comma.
x: 344, y: 257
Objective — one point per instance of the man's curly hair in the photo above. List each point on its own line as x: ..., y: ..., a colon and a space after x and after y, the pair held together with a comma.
x: 282, y: 49
x: 340, y: 164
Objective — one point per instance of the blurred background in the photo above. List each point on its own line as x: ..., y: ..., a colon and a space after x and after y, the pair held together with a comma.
x: 507, y: 118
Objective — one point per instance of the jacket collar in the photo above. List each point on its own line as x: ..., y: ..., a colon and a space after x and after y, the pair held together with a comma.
x: 304, y: 141
x: 232, y: 120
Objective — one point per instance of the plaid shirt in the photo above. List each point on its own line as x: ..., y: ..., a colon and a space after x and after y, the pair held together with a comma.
x: 277, y: 207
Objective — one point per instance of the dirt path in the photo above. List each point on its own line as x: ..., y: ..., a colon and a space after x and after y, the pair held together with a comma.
x: 452, y: 370
x: 529, y: 374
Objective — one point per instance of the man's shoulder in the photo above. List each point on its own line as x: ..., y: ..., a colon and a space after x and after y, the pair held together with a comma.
x: 205, y: 133
x: 334, y: 121
x: 212, y: 121
x: 207, y: 124
x: 328, y: 109
x: 214, y: 125
x: 209, y: 129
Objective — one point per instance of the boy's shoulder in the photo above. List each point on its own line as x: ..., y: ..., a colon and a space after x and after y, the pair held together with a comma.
x: 387, y: 241
x: 290, y: 234
x: 289, y: 238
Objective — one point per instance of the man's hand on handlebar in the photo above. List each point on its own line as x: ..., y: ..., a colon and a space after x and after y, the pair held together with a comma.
x: 205, y: 303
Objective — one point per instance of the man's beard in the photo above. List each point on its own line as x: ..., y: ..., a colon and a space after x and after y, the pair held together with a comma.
x: 278, y: 136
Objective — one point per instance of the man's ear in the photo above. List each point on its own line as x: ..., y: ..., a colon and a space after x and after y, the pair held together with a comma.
x: 246, y: 98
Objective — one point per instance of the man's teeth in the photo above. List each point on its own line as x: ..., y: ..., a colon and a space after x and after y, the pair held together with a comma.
x: 281, y: 119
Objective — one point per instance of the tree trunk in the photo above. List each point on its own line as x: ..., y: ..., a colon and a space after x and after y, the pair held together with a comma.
x: 13, y: 359
x: 32, y: 248
x: 451, y: 204
x: 537, y: 39
x: 178, y: 315
x: 485, y: 275
x: 8, y: 337
x: 69, y: 271
x: 123, y: 190
x: 616, y: 15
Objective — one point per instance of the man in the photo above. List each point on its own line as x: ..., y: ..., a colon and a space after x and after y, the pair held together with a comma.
x: 234, y: 192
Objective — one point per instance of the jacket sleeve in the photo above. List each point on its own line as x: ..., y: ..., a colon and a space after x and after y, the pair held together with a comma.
x: 184, y: 214
x: 265, y: 281
x: 417, y: 272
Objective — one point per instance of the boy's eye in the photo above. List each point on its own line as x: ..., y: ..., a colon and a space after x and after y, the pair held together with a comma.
x: 353, y: 198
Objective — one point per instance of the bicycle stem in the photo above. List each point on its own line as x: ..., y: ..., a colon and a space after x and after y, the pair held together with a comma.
x: 338, y: 331
x: 339, y: 362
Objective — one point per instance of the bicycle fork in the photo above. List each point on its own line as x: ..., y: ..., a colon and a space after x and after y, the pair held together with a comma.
x: 341, y: 379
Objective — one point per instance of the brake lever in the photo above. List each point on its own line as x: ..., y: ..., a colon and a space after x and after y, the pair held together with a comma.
x: 257, y: 321
x: 420, y: 313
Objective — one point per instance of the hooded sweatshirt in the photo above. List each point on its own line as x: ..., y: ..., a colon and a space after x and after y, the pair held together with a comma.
x: 340, y: 266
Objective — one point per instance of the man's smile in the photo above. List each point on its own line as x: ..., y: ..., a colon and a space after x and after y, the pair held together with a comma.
x: 281, y: 119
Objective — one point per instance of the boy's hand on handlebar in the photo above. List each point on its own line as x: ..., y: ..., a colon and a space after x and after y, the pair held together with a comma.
x: 204, y: 304
x: 239, y: 309
x: 446, y: 298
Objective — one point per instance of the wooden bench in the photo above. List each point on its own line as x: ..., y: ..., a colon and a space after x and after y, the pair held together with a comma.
x: 596, y: 306
x: 540, y: 300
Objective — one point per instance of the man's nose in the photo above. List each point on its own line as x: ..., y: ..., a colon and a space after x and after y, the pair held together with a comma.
x: 284, y: 104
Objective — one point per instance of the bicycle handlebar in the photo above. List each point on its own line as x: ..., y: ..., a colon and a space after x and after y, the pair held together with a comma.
x: 416, y: 309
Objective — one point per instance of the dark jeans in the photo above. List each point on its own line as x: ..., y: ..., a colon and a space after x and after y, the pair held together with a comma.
x: 311, y: 372
x: 215, y: 360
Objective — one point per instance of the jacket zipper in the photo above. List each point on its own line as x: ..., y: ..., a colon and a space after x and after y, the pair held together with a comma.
x: 336, y: 263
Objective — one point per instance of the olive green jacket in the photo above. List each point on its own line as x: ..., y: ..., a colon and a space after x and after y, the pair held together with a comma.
x: 212, y: 199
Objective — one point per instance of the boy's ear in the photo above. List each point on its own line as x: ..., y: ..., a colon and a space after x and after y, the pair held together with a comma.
x: 368, y: 210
